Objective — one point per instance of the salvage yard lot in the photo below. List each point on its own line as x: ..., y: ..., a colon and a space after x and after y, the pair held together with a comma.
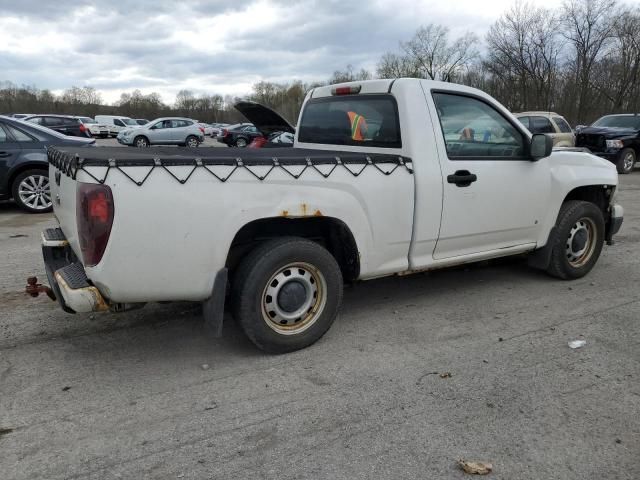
x: 148, y: 394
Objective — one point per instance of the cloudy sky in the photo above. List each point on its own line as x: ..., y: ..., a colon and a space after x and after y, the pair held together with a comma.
x: 213, y: 46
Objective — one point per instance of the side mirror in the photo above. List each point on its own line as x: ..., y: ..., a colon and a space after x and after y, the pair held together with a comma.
x: 541, y: 146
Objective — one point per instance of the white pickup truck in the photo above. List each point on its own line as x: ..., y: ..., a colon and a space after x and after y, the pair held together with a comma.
x: 385, y: 177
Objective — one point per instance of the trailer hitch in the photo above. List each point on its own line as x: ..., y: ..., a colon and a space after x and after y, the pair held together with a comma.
x: 34, y: 288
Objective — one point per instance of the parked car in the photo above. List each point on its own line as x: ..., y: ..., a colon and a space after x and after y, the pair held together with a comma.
x: 216, y: 129
x: 95, y: 129
x: 239, y: 135
x: 549, y: 123
x: 207, y: 129
x: 289, y: 225
x: 164, y: 131
x: 614, y: 137
x: 24, y: 170
x: 275, y: 140
x: 141, y: 121
x: 270, y: 124
x: 116, y: 123
x: 65, y: 124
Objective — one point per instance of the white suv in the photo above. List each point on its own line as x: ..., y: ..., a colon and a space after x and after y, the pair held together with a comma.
x: 164, y: 131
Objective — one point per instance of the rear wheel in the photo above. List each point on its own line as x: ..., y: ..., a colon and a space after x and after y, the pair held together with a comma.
x: 578, y: 240
x: 192, y: 141
x: 140, y: 142
x: 286, y: 294
x: 31, y: 191
x: 626, y: 161
x: 241, y: 142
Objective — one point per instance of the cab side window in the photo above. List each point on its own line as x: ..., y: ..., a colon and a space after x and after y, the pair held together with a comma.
x: 541, y: 125
x: 118, y: 123
x: 473, y: 129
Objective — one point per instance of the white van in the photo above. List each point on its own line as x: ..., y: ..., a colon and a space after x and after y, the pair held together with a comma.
x: 115, y: 123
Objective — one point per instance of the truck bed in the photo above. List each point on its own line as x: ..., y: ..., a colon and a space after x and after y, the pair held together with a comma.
x: 72, y: 160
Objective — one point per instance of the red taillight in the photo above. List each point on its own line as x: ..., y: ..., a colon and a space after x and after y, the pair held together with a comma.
x: 94, y: 215
x: 225, y: 132
x: 346, y: 90
x: 201, y: 129
x: 83, y: 128
x: 258, y: 142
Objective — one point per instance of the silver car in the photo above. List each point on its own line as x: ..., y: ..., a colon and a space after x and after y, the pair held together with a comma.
x: 164, y: 131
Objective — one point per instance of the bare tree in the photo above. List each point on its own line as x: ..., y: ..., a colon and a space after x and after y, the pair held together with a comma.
x: 523, y: 54
x: 589, y: 27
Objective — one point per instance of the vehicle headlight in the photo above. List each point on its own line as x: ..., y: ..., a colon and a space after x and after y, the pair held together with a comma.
x: 614, y: 144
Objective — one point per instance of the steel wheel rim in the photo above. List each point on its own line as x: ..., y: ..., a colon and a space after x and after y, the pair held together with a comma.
x: 628, y: 161
x: 294, y: 321
x: 34, y: 192
x: 192, y: 142
x: 577, y: 254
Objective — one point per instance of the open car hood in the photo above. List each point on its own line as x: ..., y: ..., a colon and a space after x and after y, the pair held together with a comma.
x: 265, y: 120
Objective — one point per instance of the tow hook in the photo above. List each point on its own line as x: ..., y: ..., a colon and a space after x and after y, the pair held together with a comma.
x: 34, y: 288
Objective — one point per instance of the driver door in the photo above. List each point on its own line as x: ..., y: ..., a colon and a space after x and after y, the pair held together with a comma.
x: 494, y: 195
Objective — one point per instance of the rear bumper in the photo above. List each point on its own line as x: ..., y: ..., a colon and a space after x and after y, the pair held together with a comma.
x: 67, y: 277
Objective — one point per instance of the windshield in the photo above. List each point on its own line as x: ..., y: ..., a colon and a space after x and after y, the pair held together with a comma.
x: 619, y: 121
x: 128, y: 121
x: 357, y: 120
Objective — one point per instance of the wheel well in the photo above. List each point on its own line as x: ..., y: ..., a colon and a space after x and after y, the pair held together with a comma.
x: 329, y: 232
x: 23, y: 168
x: 599, y: 195
x: 143, y: 136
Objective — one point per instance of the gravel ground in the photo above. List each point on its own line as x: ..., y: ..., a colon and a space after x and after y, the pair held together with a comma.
x: 147, y: 394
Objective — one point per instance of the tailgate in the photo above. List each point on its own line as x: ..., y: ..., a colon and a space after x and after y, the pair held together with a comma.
x: 63, y: 194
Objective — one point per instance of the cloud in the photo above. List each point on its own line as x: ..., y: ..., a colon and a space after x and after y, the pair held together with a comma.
x: 212, y: 46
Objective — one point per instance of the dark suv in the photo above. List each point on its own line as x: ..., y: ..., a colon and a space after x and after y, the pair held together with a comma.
x: 65, y: 124
x: 24, y: 170
x: 614, y: 137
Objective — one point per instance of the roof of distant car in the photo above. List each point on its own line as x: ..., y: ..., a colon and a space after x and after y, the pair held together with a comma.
x: 522, y: 114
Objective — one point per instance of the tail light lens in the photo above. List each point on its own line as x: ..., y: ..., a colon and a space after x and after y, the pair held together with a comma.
x: 225, y: 132
x: 94, y: 216
x: 258, y: 142
x: 202, y: 130
x: 83, y: 128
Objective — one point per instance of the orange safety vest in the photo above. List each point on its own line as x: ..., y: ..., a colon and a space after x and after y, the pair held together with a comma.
x: 358, y: 125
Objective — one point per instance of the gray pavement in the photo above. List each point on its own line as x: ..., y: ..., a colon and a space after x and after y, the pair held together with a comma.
x: 126, y: 396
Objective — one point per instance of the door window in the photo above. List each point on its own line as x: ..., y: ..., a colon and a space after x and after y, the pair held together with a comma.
x: 36, y: 120
x: 52, y: 122
x: 19, y: 135
x: 541, y: 125
x: 118, y: 123
x: 473, y: 129
x: 562, y: 124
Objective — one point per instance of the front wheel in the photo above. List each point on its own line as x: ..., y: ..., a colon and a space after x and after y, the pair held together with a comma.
x: 141, y: 142
x: 578, y: 240
x: 626, y: 161
x: 286, y: 294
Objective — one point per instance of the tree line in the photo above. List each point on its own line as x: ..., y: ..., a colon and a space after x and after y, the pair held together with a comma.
x: 581, y: 60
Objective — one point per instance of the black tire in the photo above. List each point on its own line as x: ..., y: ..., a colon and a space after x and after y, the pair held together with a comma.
x: 575, y: 216
x: 241, y: 142
x: 626, y: 161
x: 191, y: 141
x: 261, y: 270
x: 44, y: 196
x: 140, y: 142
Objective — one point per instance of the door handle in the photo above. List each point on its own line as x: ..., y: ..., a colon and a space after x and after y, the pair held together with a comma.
x: 462, y: 178
x: 4, y: 154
